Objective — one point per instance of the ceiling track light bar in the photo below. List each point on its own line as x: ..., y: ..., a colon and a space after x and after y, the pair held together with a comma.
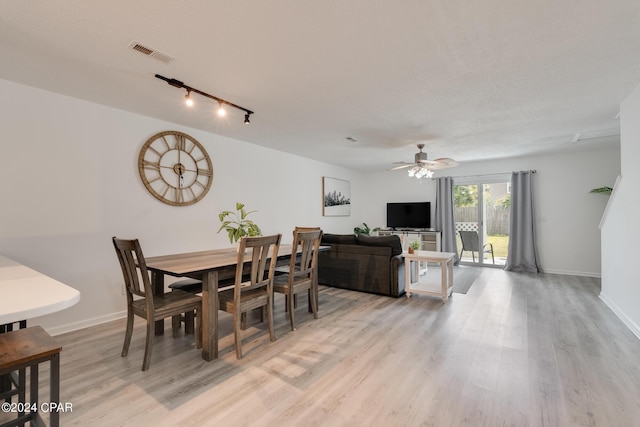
x: 181, y: 85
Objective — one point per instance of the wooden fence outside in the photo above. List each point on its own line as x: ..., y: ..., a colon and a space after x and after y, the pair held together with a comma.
x: 497, y: 221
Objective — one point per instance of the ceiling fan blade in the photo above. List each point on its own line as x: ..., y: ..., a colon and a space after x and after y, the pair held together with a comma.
x: 444, y: 163
x: 429, y: 163
x: 402, y: 166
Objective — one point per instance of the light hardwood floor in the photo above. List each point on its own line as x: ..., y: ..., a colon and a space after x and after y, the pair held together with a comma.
x: 516, y: 350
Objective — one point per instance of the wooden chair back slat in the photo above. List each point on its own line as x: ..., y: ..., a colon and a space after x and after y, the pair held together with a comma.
x: 134, y: 268
x: 306, y: 242
x: 263, y: 249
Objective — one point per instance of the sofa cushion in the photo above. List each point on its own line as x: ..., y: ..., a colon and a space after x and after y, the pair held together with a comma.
x: 340, y: 239
x: 391, y: 241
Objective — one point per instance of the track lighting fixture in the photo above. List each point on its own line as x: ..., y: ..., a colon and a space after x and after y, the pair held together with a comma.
x: 221, y: 102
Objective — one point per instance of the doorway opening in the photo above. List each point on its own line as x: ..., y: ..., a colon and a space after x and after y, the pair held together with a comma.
x: 481, y: 213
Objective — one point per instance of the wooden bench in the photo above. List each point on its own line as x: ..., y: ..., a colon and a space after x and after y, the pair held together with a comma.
x: 27, y: 348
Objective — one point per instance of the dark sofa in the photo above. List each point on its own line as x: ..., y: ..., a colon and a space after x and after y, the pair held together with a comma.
x: 362, y: 263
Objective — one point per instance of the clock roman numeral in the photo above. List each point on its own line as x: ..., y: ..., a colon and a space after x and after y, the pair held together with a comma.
x: 166, y: 144
x: 155, y: 151
x: 164, y: 193
x: 205, y: 172
x: 151, y: 165
x: 180, y: 142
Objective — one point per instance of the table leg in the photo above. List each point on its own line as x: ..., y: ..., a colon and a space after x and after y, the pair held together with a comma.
x: 210, y: 315
x: 158, y: 288
x: 450, y: 274
x: 444, y: 281
x: 407, y: 277
x: 54, y: 386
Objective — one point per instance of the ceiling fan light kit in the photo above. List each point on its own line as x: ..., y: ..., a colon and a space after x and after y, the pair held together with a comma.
x: 423, y: 167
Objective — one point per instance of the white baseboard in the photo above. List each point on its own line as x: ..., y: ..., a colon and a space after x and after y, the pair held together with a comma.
x: 70, y: 327
x: 621, y: 315
x: 573, y: 273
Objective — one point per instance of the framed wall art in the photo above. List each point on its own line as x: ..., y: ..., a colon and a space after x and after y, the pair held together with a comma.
x: 336, y: 197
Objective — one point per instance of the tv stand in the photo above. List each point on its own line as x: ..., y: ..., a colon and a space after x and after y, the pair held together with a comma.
x: 428, y: 237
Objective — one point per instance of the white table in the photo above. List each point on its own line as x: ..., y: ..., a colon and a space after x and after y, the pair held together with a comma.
x: 442, y: 289
x: 26, y: 293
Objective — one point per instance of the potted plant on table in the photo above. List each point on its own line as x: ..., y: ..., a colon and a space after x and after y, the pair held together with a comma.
x: 237, y: 225
x: 414, y: 246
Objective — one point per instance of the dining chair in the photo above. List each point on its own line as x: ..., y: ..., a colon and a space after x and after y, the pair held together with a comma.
x: 255, y: 291
x: 471, y: 243
x: 141, y: 300
x: 302, y: 271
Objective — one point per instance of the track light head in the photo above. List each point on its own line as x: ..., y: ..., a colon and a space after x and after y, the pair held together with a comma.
x: 221, y: 110
x: 187, y: 98
x: 246, y: 119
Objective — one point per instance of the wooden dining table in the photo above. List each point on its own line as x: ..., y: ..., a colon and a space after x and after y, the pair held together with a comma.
x: 212, y: 267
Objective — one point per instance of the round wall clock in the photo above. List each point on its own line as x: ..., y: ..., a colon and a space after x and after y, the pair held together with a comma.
x: 175, y: 168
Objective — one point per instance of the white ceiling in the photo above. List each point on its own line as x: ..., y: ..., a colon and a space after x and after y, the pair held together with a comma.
x: 473, y: 80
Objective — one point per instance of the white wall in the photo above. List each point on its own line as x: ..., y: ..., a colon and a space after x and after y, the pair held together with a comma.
x: 621, y: 228
x: 567, y: 214
x: 70, y: 183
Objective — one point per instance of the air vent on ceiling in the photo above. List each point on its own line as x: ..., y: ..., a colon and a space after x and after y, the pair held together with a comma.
x: 150, y: 52
x: 596, y: 134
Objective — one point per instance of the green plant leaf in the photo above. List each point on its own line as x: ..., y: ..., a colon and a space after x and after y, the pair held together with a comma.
x: 602, y: 190
x: 236, y: 223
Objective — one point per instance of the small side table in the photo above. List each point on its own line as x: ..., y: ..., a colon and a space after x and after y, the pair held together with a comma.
x: 442, y: 289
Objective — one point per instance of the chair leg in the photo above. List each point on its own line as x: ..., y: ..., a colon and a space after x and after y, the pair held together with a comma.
x: 243, y: 320
x: 313, y: 301
x: 237, y: 324
x: 175, y: 325
x: 269, y: 307
x: 148, y: 348
x: 188, y: 322
x: 128, y: 333
x: 292, y: 311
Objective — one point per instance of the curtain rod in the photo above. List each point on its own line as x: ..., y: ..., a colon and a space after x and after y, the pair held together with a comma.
x: 490, y: 174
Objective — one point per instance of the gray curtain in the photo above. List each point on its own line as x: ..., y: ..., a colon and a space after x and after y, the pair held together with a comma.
x: 523, y: 253
x: 444, y: 220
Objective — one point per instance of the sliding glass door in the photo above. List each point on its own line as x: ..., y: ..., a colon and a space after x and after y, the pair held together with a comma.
x: 481, y: 214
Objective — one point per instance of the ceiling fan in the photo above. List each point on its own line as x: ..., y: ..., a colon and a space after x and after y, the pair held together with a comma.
x: 422, y: 167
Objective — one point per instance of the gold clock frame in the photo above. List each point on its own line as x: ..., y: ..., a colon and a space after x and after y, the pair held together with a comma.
x: 166, y: 159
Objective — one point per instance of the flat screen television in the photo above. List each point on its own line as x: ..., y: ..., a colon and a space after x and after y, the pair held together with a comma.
x: 409, y: 215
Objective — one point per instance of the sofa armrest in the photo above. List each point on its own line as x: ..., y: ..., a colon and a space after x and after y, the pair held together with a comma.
x: 397, y: 275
